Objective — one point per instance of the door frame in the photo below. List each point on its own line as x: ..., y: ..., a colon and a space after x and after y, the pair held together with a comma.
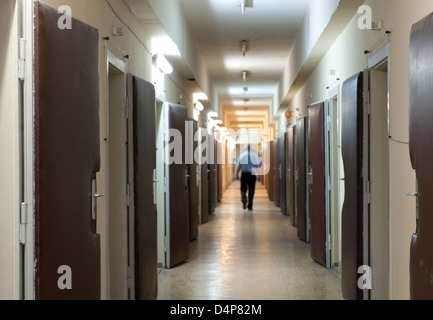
x: 112, y: 59
x: 377, y: 60
x: 28, y: 204
x: 334, y: 204
x: 161, y: 178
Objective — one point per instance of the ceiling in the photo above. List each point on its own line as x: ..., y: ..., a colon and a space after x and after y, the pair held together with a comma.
x: 268, y: 26
x: 219, y: 27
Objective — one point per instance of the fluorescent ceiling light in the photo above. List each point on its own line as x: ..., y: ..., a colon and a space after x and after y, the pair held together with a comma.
x: 165, y: 46
x: 163, y: 64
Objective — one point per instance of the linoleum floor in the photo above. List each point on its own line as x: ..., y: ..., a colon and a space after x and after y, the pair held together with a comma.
x: 243, y: 255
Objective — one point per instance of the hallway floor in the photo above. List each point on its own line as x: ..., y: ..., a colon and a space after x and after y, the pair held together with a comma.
x: 243, y: 255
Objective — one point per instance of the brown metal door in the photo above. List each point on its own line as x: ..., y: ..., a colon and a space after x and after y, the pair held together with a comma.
x: 271, y: 176
x: 142, y: 101
x: 352, y: 213
x: 277, y: 173
x: 282, y: 169
x: 317, y: 198
x: 212, y: 175
x: 220, y: 169
x: 421, y: 153
x: 67, y: 157
x: 300, y: 179
x: 291, y: 175
x: 178, y: 250
x: 192, y: 184
x: 204, y: 177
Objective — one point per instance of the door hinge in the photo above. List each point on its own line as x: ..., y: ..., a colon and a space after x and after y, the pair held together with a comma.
x: 368, y: 101
x: 126, y: 107
x: 128, y: 194
x: 368, y: 191
x: 329, y: 123
x: 23, y: 222
x: 22, y: 60
x: 165, y: 244
x: 129, y: 278
x: 329, y: 243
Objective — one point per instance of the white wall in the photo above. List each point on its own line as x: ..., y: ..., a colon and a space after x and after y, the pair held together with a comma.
x: 347, y: 57
x: 9, y: 151
x: 136, y: 42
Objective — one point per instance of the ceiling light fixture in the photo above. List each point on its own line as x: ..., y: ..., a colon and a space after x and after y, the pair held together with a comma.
x: 244, y: 47
x: 163, y: 64
x: 244, y: 75
x: 243, y: 5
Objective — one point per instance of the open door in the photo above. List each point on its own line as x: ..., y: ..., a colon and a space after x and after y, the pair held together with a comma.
x: 204, y: 178
x: 271, y: 174
x: 301, y: 180
x: 142, y: 127
x: 277, y: 172
x: 291, y: 175
x: 317, y: 176
x: 177, y: 222
x: 421, y: 154
x: 67, y: 157
x: 193, y: 181
x: 353, y: 154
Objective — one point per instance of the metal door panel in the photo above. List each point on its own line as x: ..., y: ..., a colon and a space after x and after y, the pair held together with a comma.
x: 291, y: 175
x: 204, y: 174
x: 271, y: 177
x: 142, y: 101
x: 317, y: 198
x: 193, y: 189
x: 300, y: 179
x: 421, y: 154
x: 352, y: 128
x: 277, y: 172
x: 178, y: 223
x: 67, y: 156
x: 282, y: 169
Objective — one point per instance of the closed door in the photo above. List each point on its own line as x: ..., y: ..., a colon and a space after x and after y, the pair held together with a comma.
x: 282, y: 170
x: 421, y: 154
x: 301, y: 179
x: 67, y: 157
x: 178, y: 198
x: 291, y: 175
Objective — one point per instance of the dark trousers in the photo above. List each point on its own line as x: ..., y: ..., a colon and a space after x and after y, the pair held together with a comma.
x: 248, y: 183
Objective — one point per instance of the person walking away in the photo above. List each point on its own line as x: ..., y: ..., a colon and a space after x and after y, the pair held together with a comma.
x: 247, y: 163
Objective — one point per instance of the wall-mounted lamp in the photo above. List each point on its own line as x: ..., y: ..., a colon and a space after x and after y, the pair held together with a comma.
x: 244, y: 47
x: 162, y: 63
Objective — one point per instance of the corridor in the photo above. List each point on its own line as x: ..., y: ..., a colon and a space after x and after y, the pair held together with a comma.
x: 242, y: 255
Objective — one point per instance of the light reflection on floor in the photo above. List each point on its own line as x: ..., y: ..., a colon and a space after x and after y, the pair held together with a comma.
x: 242, y: 255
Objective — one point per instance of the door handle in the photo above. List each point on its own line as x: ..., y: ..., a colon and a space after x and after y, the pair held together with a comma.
x: 155, y: 181
x: 95, y: 195
x: 412, y: 194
